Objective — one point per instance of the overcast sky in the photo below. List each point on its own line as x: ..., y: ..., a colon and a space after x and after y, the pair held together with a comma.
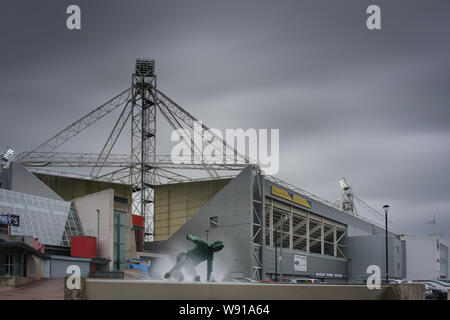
x: 371, y: 106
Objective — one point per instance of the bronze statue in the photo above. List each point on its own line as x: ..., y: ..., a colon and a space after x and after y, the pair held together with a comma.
x: 189, y: 259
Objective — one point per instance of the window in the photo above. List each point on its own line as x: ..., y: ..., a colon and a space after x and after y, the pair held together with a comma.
x: 119, y: 240
x: 12, y: 264
x: 120, y: 200
x: 3, y: 228
x: 304, y: 231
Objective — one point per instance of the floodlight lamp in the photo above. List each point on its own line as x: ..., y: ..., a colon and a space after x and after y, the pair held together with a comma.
x: 7, y: 156
x: 145, y: 67
x: 344, y: 184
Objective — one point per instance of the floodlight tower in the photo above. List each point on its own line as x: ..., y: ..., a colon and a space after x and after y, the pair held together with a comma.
x: 143, y: 141
x: 348, y: 204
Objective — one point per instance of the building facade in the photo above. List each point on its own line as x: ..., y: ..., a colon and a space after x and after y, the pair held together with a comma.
x: 50, y: 210
x: 317, y: 240
x: 269, y: 229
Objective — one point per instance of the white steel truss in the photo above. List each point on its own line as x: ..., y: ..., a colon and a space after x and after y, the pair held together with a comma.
x: 142, y: 169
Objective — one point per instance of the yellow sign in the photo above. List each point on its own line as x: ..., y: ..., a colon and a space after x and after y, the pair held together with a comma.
x: 290, y: 196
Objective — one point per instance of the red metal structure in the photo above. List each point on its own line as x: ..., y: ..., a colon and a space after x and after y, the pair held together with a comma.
x: 83, y: 247
x: 138, y: 227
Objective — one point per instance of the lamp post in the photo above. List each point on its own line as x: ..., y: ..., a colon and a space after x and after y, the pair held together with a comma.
x: 386, y: 209
x: 276, y: 260
x: 98, y: 230
x: 284, y: 217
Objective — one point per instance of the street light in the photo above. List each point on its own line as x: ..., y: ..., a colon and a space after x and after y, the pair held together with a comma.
x: 386, y: 209
x: 284, y: 217
x: 98, y: 231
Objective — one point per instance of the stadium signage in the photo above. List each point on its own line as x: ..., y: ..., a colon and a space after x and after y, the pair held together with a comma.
x: 10, y: 219
x: 328, y: 275
x: 291, y: 197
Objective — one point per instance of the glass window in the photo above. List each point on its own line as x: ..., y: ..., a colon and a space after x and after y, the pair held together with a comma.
x: 72, y: 226
x: 38, y: 218
x: 11, y: 263
x: 119, y: 240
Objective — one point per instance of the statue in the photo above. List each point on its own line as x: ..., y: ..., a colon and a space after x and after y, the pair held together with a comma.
x: 189, y: 259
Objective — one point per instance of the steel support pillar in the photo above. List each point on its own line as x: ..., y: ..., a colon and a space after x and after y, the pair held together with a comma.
x: 143, y: 142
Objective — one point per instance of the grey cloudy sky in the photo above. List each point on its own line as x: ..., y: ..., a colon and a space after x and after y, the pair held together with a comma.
x: 372, y: 106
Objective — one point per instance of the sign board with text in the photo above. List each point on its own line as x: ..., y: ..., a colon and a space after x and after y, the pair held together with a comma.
x: 300, y: 263
x: 10, y: 219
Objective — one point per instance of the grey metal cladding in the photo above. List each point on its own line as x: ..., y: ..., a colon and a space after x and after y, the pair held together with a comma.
x: 232, y: 207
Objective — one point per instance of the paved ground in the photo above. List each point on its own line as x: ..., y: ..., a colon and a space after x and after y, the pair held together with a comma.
x: 45, y: 289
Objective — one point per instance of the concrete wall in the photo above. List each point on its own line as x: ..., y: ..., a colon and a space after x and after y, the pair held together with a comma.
x: 145, y: 290
x: 35, y: 267
x: 175, y: 204
x: 231, y: 205
x: 104, y: 201
x: 86, y: 207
